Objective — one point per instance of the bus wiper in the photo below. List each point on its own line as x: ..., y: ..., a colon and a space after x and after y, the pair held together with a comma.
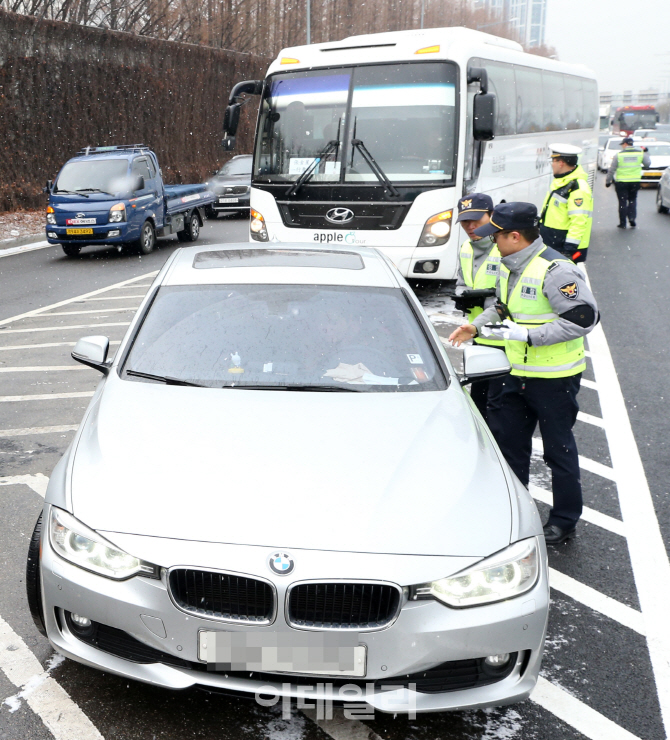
x: 165, y: 379
x: 94, y: 190
x: 307, y: 174
x: 378, y: 171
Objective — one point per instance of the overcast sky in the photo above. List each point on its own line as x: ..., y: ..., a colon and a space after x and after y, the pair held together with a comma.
x: 622, y: 41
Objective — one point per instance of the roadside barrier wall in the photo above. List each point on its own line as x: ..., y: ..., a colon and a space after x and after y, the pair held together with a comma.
x: 65, y: 86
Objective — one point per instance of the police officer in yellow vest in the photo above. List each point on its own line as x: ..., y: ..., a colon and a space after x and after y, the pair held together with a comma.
x: 478, y: 265
x: 551, y: 309
x: 626, y: 171
x: 567, y: 211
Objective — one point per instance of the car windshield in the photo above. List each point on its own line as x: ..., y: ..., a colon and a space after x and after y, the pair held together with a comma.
x: 106, y: 175
x: 236, y: 167
x: 310, y: 337
x: 614, y: 144
x: 404, y: 115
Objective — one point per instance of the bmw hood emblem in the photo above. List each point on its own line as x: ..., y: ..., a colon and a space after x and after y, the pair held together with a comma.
x: 281, y: 563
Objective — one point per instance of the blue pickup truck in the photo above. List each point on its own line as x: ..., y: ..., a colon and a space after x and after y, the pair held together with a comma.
x: 115, y: 195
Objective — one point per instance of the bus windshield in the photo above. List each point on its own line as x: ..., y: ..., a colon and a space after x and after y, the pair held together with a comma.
x: 404, y: 115
x: 637, y: 119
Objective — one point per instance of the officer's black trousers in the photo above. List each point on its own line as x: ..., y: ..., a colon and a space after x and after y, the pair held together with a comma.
x: 512, y: 417
x: 627, y: 194
x: 483, y: 390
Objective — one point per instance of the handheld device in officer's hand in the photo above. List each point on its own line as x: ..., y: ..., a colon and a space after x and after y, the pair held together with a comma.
x: 472, y: 298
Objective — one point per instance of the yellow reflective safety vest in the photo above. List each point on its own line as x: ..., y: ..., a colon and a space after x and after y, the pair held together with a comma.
x: 485, y: 277
x: 529, y: 307
x: 629, y: 165
x: 567, y: 213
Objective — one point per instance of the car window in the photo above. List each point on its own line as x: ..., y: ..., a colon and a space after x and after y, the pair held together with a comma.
x: 361, y: 338
x: 140, y: 167
x: 237, y: 167
x: 614, y: 144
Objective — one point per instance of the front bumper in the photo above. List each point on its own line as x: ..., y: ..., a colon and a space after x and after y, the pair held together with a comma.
x: 222, y: 203
x: 652, y: 175
x: 425, y: 634
x: 111, y: 233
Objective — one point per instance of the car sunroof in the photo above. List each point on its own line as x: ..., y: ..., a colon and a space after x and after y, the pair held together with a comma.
x: 278, y: 258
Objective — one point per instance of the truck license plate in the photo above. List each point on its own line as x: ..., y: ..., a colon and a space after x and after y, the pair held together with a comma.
x: 229, y: 200
x: 74, y: 232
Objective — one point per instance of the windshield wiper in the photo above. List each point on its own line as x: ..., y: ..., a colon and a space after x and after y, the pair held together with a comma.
x: 378, y: 171
x: 70, y: 192
x: 307, y: 174
x: 94, y: 190
x: 165, y: 379
x: 314, y: 388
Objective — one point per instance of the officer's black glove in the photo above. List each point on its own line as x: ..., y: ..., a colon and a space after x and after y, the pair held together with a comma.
x: 607, y: 184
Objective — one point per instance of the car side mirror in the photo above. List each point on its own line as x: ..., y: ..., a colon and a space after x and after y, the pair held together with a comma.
x: 484, y: 116
x: 47, y: 188
x: 92, y: 351
x: 484, y: 362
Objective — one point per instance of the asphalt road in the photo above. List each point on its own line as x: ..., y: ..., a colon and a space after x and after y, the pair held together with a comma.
x: 604, y: 663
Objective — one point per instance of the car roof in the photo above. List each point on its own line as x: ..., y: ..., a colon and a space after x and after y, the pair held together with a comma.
x: 288, y: 264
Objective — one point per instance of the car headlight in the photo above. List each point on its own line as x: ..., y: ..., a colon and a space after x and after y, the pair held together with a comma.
x: 117, y: 213
x: 510, y: 572
x: 51, y: 216
x: 81, y: 546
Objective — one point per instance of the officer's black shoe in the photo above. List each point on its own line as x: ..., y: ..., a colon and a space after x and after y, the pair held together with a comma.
x: 555, y: 535
x: 621, y: 226
x: 632, y: 224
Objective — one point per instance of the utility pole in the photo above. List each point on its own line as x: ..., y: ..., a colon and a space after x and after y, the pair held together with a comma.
x: 423, y: 10
x: 309, y: 21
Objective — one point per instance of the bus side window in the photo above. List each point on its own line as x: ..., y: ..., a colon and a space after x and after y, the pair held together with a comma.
x: 574, y: 105
x: 553, y: 88
x: 501, y: 82
x: 590, y: 115
x: 530, y: 111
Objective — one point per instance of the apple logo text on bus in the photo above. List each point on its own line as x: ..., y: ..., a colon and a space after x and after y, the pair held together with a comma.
x: 330, y: 237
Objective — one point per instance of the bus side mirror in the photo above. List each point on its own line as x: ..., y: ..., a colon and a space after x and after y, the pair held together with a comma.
x: 484, y: 116
x: 231, y: 120
x: 228, y: 144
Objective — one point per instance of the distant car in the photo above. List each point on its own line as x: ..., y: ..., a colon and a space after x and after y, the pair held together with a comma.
x: 659, y: 154
x: 612, y: 146
x: 645, y: 133
x: 280, y: 455
x: 232, y: 185
x: 663, y: 193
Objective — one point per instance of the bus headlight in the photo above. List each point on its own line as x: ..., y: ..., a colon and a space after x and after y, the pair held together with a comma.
x: 437, y: 229
x: 257, y: 227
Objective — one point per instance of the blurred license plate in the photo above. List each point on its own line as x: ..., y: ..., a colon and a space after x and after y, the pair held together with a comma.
x: 324, y: 653
x: 229, y: 200
x: 74, y: 232
x: 651, y: 173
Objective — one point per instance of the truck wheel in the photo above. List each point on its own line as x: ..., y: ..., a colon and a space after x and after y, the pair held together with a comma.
x: 659, y: 201
x: 71, y: 250
x: 34, y: 578
x: 210, y: 212
x: 191, y: 231
x: 147, y: 240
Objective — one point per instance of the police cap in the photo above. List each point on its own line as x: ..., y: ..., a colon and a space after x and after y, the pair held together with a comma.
x: 510, y: 217
x: 628, y: 140
x: 562, y: 151
x: 473, y: 207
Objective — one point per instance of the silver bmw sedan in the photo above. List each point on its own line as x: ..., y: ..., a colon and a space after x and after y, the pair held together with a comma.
x: 230, y: 516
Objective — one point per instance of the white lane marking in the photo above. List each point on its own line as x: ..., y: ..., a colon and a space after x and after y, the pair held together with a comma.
x: 575, y: 713
x: 60, y: 328
x: 44, y: 696
x: 597, y: 601
x: 589, y: 419
x: 340, y: 727
x: 589, y: 383
x: 604, y: 471
x: 46, y: 345
x: 27, y: 431
x: 25, y: 248
x: 648, y: 555
x: 588, y: 515
x: 42, y: 369
x: 92, y: 310
x: 36, y: 311
x: 37, y: 482
x: 45, y: 397
x: 115, y: 298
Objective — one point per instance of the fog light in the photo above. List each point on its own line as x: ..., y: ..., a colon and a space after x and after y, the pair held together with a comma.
x: 86, y: 622
x: 114, y: 232
x: 427, y: 266
x: 51, y: 235
x: 497, y: 661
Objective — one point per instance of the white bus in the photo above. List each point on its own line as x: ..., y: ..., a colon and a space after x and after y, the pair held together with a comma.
x: 373, y: 139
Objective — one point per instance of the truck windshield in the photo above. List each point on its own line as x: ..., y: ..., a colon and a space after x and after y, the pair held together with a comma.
x: 106, y: 175
x: 404, y: 113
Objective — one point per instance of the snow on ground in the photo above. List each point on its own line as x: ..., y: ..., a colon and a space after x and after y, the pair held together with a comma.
x: 21, y: 223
